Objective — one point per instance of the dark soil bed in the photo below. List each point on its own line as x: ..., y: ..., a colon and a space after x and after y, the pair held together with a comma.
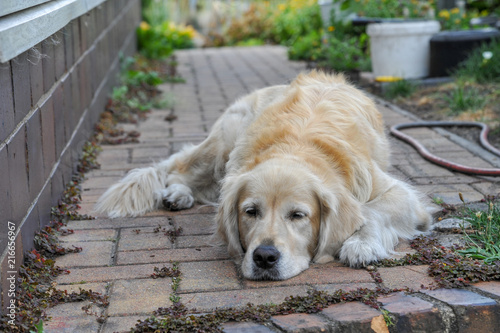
x: 431, y: 103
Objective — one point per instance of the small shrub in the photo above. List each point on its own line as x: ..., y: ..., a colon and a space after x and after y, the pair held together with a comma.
x: 293, y: 19
x: 252, y: 28
x: 400, y: 88
x: 306, y: 47
x: 347, y: 54
x: 389, y: 8
x: 483, y: 65
x: 464, y: 98
x: 159, y: 41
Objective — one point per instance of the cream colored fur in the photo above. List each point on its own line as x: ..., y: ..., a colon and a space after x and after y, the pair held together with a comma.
x: 300, y: 168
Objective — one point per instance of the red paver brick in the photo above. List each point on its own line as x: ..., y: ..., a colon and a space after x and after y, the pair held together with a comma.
x: 69, y: 318
x: 193, y: 241
x: 184, y: 255
x: 449, y: 192
x: 413, y: 313
x: 89, y: 209
x: 301, y: 323
x: 97, y: 274
x: 150, y: 155
x: 208, y: 275
x: 492, y: 287
x: 333, y: 272
x: 474, y: 313
x: 100, y: 182
x: 356, y: 317
x: 123, y: 222
x: 98, y: 253
x: 89, y: 235
x: 459, y: 297
x: 144, y: 240
x: 197, y: 209
x: 402, y: 277
x: 198, y: 224
x: 346, y: 287
x: 205, y: 301
x: 141, y: 296
x: 98, y: 287
x: 245, y: 327
x: 121, y: 324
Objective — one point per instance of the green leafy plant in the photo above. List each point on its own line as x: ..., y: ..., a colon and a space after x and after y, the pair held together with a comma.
x: 389, y: 8
x: 456, y: 19
x: 483, y: 64
x: 448, y: 267
x: 306, y: 47
x: 399, y: 88
x: 159, y: 41
x: 293, y: 19
x: 346, y: 55
x: 251, y: 28
x: 484, y: 241
x: 464, y: 98
x: 155, y: 12
x: 437, y: 200
x: 387, y: 318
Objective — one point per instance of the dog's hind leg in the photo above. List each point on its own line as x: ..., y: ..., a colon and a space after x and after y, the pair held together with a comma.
x: 176, y: 182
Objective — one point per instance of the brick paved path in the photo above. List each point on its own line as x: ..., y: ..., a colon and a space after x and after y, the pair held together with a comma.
x: 117, y: 260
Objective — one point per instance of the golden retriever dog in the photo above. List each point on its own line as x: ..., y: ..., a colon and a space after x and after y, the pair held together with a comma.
x: 299, y: 172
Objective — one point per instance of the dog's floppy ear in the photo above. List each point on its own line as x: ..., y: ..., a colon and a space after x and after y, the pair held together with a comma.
x: 227, y: 216
x: 340, y: 218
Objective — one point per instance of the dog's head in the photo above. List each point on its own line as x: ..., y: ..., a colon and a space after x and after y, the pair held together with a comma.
x: 279, y: 216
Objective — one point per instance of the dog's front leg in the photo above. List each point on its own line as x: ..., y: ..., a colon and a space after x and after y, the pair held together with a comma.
x: 396, y: 213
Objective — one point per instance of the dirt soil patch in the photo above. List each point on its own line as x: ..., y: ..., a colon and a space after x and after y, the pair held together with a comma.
x: 439, y: 103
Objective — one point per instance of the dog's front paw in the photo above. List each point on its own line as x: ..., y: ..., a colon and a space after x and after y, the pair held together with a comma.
x: 357, y: 252
x: 177, y: 197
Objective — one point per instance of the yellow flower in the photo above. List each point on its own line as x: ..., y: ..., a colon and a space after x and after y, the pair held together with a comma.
x: 144, y: 26
x: 331, y: 28
x: 444, y: 14
x: 457, y: 21
x: 455, y: 10
x: 281, y: 6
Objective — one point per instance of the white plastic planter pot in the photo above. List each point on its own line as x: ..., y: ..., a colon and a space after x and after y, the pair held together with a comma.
x: 401, y: 49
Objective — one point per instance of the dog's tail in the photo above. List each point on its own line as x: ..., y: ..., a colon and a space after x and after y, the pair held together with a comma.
x: 136, y: 194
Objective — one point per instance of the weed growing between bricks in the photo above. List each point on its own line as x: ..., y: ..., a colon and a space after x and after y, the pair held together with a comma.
x: 449, y: 268
x: 457, y: 267
x: 133, y: 99
x: 178, y: 318
x: 36, y: 288
x: 172, y: 234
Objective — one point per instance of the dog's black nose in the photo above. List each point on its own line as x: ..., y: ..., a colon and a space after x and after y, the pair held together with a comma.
x: 266, y: 256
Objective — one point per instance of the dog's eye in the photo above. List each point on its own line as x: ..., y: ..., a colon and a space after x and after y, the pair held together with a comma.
x: 297, y: 215
x: 251, y: 211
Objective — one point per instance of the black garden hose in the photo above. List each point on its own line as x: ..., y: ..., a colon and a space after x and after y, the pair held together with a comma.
x: 483, y: 139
